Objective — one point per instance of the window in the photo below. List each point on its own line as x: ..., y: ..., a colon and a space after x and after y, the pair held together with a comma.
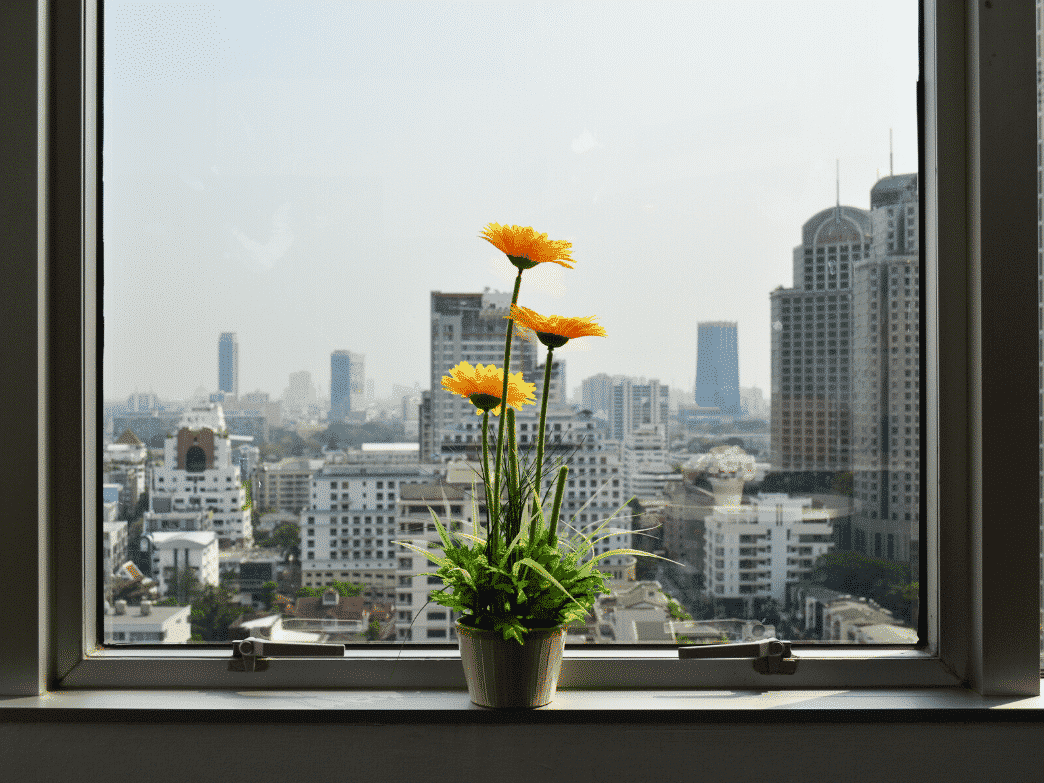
x: 948, y: 297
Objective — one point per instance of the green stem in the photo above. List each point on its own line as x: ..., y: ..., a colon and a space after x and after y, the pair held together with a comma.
x: 543, y: 417
x: 485, y: 480
x: 513, y: 495
x: 503, y: 407
x: 557, y: 508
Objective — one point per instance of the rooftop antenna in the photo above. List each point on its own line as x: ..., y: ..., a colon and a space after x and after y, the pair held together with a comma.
x: 837, y: 210
x: 891, y: 168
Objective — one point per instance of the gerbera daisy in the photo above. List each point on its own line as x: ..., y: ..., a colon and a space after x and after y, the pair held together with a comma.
x: 555, y: 331
x: 483, y: 385
x: 525, y: 248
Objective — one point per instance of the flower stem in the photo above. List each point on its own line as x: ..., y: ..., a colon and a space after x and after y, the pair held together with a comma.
x: 514, y: 495
x: 503, y: 407
x: 543, y: 418
x: 556, y: 509
x: 485, y: 481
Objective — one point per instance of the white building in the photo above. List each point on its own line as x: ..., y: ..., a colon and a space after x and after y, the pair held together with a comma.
x: 147, y: 624
x: 646, y: 463
x: 114, y: 549
x: 455, y: 508
x: 171, y: 553
x: 349, y: 529
x: 754, y: 550
x: 286, y: 485
x: 198, y: 473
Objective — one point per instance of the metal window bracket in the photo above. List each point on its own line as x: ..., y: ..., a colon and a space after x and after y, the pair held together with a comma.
x: 769, y: 656
x: 252, y: 654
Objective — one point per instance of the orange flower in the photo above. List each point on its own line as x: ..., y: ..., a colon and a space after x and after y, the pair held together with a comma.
x: 555, y: 330
x: 525, y: 248
x: 483, y: 385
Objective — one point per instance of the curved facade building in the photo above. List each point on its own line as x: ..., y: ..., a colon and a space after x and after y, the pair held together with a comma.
x: 812, y: 344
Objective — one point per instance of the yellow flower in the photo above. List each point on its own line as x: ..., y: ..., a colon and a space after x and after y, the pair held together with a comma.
x: 555, y: 330
x: 483, y: 385
x: 525, y: 248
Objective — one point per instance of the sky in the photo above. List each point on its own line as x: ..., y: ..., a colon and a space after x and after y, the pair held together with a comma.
x: 305, y: 173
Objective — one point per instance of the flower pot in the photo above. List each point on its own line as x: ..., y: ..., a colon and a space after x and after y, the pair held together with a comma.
x: 503, y: 673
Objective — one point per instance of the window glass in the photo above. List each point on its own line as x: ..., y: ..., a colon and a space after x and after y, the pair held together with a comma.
x: 292, y: 199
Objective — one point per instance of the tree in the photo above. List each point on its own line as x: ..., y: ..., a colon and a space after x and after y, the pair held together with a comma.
x: 286, y: 537
x: 269, y: 589
x: 884, y: 581
x: 213, y: 611
x: 373, y: 631
x: 345, y: 589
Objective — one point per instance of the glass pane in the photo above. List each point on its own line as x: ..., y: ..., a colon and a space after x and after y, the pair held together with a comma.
x: 293, y: 195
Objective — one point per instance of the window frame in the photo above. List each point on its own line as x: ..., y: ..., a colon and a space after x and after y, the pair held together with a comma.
x: 980, y: 208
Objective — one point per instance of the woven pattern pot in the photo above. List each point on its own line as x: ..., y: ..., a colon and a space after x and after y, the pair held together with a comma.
x: 503, y: 673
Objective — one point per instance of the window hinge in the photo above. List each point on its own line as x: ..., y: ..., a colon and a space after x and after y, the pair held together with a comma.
x: 252, y: 654
x: 770, y: 656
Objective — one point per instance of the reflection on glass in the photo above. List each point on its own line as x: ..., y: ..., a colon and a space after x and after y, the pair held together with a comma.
x: 292, y: 198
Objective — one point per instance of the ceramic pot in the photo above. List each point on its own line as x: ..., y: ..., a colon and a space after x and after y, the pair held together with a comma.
x: 503, y: 673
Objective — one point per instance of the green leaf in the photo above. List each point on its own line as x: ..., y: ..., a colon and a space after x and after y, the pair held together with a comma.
x: 543, y: 572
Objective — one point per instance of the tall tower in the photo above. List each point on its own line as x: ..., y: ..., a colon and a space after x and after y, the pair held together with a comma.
x: 717, y: 367
x: 346, y: 381
x: 886, y: 364
x: 470, y: 328
x: 228, y: 364
x: 811, y: 344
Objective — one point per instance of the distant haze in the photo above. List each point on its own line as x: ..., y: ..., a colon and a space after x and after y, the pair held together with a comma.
x: 305, y: 173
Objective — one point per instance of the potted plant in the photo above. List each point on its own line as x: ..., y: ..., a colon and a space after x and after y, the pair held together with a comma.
x: 517, y: 584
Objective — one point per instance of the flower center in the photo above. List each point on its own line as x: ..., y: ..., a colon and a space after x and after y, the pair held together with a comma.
x: 552, y: 340
x: 522, y: 262
x: 484, y: 402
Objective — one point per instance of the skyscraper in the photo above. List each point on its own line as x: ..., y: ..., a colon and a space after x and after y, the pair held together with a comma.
x: 886, y: 362
x: 811, y: 344
x: 471, y: 328
x: 636, y: 404
x: 717, y: 367
x: 228, y: 364
x: 346, y: 380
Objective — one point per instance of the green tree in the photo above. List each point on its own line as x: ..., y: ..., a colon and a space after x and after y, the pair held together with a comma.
x: 270, y: 589
x: 884, y: 581
x: 373, y: 631
x: 213, y: 611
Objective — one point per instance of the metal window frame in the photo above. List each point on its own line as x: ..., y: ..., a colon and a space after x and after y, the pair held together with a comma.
x: 981, y: 547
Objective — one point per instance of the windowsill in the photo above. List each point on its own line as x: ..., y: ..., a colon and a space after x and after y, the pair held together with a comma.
x: 584, y: 706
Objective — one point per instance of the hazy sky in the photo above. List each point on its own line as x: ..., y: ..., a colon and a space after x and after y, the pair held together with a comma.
x: 306, y: 173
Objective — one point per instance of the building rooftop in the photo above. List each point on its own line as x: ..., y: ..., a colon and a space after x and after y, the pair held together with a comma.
x: 158, y: 615
x: 193, y: 538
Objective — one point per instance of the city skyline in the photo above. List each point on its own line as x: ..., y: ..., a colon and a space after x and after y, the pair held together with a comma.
x: 679, y: 210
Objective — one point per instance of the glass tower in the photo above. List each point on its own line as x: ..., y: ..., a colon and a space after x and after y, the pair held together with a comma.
x: 228, y: 364
x: 717, y: 367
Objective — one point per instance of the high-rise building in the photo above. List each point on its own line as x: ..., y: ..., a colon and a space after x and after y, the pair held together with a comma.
x: 637, y: 404
x: 228, y: 364
x: 717, y: 368
x: 470, y: 328
x: 886, y: 431
x: 596, y: 393
x: 812, y: 342
x: 347, y: 383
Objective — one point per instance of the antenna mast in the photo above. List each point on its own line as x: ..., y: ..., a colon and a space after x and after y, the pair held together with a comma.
x: 891, y: 167
x: 837, y: 210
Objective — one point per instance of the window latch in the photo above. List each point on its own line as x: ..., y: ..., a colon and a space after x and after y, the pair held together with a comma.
x: 770, y: 656
x: 252, y: 654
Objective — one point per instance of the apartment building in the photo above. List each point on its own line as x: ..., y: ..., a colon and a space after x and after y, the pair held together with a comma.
x: 199, y: 473
x: 348, y: 530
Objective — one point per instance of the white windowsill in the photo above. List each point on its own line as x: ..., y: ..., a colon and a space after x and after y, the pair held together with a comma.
x: 919, y: 704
